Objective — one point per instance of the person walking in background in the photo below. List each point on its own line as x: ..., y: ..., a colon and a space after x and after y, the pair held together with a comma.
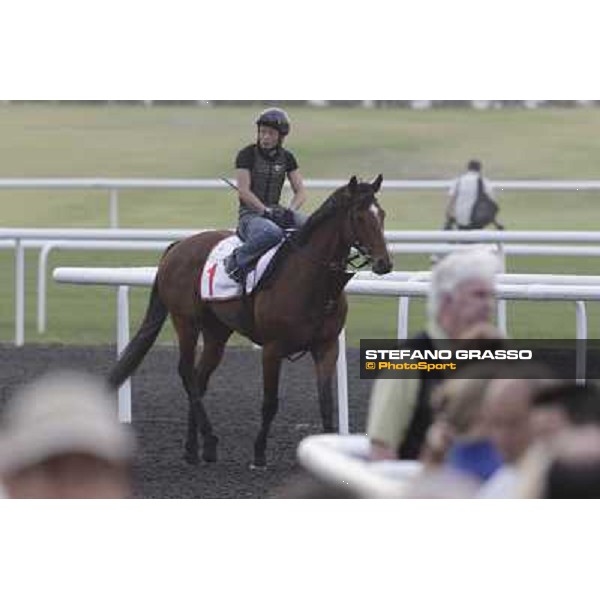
x: 471, y: 203
x: 60, y: 438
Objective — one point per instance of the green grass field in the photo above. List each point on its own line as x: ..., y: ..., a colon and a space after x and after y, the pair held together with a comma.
x: 64, y: 140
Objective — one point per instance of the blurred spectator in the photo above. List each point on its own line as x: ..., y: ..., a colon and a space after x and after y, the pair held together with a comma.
x: 60, y: 438
x: 457, y: 455
x: 456, y: 405
x: 439, y: 484
x: 574, y: 471
x: 471, y: 204
x: 461, y: 296
x: 506, y: 416
x: 459, y: 401
x: 558, y: 407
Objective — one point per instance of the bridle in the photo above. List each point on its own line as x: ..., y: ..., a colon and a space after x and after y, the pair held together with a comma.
x: 361, y: 255
x: 361, y: 252
x: 339, y: 268
x: 357, y: 259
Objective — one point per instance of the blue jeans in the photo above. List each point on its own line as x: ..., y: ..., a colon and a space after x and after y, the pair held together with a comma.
x: 259, y: 234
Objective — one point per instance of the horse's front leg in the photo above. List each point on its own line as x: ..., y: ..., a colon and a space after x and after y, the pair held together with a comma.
x: 271, y: 358
x: 325, y: 357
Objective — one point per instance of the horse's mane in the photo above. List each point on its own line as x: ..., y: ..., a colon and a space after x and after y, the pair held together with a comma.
x: 326, y: 210
x: 329, y: 208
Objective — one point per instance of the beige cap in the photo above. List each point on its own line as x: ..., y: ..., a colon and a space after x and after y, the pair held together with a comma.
x: 61, y: 413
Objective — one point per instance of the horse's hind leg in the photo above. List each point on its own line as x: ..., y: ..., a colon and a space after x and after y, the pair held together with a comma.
x: 271, y: 367
x: 188, y: 330
x: 215, y: 335
x: 325, y: 357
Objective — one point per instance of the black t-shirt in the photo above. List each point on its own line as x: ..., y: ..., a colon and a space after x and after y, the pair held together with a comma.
x: 267, y: 173
x: 245, y: 159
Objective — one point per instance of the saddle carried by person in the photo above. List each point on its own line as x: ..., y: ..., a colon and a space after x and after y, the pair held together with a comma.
x: 484, y: 210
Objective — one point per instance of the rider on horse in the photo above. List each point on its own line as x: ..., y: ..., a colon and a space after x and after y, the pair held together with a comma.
x: 261, y: 171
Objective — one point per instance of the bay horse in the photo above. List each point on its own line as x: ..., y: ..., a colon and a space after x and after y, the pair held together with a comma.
x: 300, y: 307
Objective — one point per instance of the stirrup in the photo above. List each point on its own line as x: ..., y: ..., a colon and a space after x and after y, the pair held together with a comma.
x: 233, y: 270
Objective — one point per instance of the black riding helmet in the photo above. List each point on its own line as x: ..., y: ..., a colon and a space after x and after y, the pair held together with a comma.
x: 275, y: 118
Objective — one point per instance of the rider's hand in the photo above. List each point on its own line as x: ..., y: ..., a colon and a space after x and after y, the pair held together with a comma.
x: 281, y: 216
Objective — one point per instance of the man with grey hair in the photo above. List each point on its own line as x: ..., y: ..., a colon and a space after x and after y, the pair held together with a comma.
x: 461, y: 297
x: 60, y: 438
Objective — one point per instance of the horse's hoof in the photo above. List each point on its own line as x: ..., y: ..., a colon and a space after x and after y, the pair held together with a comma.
x: 259, y: 463
x: 209, y: 449
x: 254, y: 466
x: 209, y: 456
x: 191, y: 458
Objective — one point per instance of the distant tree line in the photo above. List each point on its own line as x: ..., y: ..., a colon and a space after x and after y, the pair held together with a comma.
x: 414, y: 104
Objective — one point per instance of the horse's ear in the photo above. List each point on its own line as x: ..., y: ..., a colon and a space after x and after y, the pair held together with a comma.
x: 353, y: 184
x: 377, y: 183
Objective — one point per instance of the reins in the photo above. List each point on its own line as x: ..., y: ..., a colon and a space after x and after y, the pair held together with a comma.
x: 360, y: 253
x: 334, y: 267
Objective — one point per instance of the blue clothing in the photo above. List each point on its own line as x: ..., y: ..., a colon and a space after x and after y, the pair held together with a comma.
x: 259, y: 234
x: 477, y: 458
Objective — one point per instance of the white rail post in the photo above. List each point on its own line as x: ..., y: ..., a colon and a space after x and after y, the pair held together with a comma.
x: 342, y: 385
x: 114, y: 208
x: 403, y: 308
x: 124, y: 393
x: 19, y: 292
x: 581, y: 341
x: 42, y: 265
x: 403, y: 304
x: 501, y: 304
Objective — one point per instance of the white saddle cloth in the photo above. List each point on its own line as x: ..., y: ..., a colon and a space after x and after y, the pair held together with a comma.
x: 216, y: 285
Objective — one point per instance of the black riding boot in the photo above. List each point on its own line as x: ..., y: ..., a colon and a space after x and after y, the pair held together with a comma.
x: 233, y: 269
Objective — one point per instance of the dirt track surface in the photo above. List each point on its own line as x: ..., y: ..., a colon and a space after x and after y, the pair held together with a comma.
x: 233, y: 401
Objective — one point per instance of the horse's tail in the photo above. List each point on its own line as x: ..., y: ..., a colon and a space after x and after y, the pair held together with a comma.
x: 132, y: 356
x: 138, y: 347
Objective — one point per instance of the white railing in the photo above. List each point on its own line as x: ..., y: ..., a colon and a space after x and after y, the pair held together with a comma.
x: 505, y: 249
x: 343, y: 461
x: 20, y: 239
x: 136, y: 246
x: 47, y: 247
x: 487, y: 236
x: 504, y: 278
x: 144, y: 276
x: 113, y: 185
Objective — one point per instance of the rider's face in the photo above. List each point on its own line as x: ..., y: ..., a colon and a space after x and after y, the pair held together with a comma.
x: 268, y: 137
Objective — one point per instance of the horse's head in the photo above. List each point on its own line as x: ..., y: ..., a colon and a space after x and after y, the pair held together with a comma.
x: 363, y: 227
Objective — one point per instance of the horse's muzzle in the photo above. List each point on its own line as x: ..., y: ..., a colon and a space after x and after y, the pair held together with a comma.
x: 381, y: 266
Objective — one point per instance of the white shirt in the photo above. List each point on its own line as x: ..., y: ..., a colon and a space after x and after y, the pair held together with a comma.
x: 502, y: 484
x: 465, y: 191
